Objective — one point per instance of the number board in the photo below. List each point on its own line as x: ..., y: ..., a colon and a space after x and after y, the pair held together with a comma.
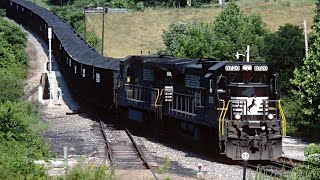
x: 232, y: 68
x: 168, y: 93
x: 260, y: 68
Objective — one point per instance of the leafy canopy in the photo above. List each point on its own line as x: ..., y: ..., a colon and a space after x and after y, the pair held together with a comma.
x: 20, y: 142
x: 307, y: 78
x: 311, y: 169
x: 230, y: 32
x: 284, y: 50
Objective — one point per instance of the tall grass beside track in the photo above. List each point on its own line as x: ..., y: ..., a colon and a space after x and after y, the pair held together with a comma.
x: 133, y: 32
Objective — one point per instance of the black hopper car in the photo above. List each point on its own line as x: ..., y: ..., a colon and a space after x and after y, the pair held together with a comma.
x: 234, y: 106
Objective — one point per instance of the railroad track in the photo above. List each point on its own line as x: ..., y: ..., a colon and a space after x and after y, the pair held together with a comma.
x: 30, y: 93
x: 277, y: 168
x: 125, y: 152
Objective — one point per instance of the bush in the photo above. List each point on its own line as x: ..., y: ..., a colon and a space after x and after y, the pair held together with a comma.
x: 311, y: 169
x: 2, y: 13
x: 10, y: 87
x: 20, y: 143
x: 88, y: 172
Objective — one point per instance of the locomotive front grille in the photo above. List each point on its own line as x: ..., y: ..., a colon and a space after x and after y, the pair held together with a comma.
x: 249, y: 105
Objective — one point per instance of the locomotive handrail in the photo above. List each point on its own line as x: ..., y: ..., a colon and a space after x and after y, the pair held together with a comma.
x: 158, y: 97
x: 155, y: 102
x: 223, y: 104
x: 142, y: 87
x: 221, y: 109
x: 284, y: 121
x: 224, y: 115
x: 182, y: 104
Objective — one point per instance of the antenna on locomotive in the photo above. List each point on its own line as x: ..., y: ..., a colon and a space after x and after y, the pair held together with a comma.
x: 247, y: 55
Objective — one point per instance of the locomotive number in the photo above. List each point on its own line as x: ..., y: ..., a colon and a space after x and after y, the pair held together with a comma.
x: 260, y: 68
x: 232, y: 68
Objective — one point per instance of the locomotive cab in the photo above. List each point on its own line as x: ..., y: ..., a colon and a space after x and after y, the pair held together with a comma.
x: 249, y: 114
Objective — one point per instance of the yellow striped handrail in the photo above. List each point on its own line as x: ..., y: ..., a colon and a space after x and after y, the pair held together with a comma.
x: 158, y: 96
x: 284, y: 122
x: 224, y: 115
x: 222, y: 109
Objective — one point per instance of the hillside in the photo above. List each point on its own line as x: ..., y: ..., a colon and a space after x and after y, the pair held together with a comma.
x: 133, y: 32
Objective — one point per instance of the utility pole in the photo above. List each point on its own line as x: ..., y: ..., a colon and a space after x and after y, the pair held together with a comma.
x: 50, y: 67
x: 49, y: 38
x: 305, y: 37
x: 102, y: 29
x: 85, y: 25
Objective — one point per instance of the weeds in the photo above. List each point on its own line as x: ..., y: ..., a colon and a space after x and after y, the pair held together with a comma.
x: 88, y: 172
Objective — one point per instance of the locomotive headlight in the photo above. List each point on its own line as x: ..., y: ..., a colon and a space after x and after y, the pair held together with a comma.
x: 247, y: 68
x: 237, y: 116
x: 270, y: 116
x: 263, y: 128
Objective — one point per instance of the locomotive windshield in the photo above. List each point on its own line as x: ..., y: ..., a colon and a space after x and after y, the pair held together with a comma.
x: 247, y: 77
x: 248, y: 91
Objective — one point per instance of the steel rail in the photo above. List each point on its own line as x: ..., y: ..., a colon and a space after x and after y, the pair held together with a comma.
x: 30, y: 93
x: 282, y: 162
x: 141, y: 154
x: 107, y: 143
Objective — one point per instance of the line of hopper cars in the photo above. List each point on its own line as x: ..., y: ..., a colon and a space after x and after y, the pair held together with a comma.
x: 234, y: 106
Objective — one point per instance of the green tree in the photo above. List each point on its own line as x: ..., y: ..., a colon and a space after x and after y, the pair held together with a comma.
x: 20, y: 143
x: 307, y: 78
x: 192, y: 40
x: 234, y: 31
x: 311, y: 169
x: 284, y: 50
x: 231, y: 31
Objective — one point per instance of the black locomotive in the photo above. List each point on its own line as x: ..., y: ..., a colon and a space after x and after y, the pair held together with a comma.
x: 231, y: 105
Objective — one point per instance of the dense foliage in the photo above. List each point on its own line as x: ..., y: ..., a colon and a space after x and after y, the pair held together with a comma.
x: 191, y: 39
x: 20, y: 143
x: 235, y: 31
x: 284, y: 50
x: 307, y: 82
x: 88, y: 172
x: 230, y: 32
x: 137, y: 4
x: 311, y: 169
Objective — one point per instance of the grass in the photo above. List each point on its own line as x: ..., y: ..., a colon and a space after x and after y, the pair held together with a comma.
x: 42, y: 3
x: 133, y: 32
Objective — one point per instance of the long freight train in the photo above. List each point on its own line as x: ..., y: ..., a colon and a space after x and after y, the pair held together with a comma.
x: 231, y: 105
